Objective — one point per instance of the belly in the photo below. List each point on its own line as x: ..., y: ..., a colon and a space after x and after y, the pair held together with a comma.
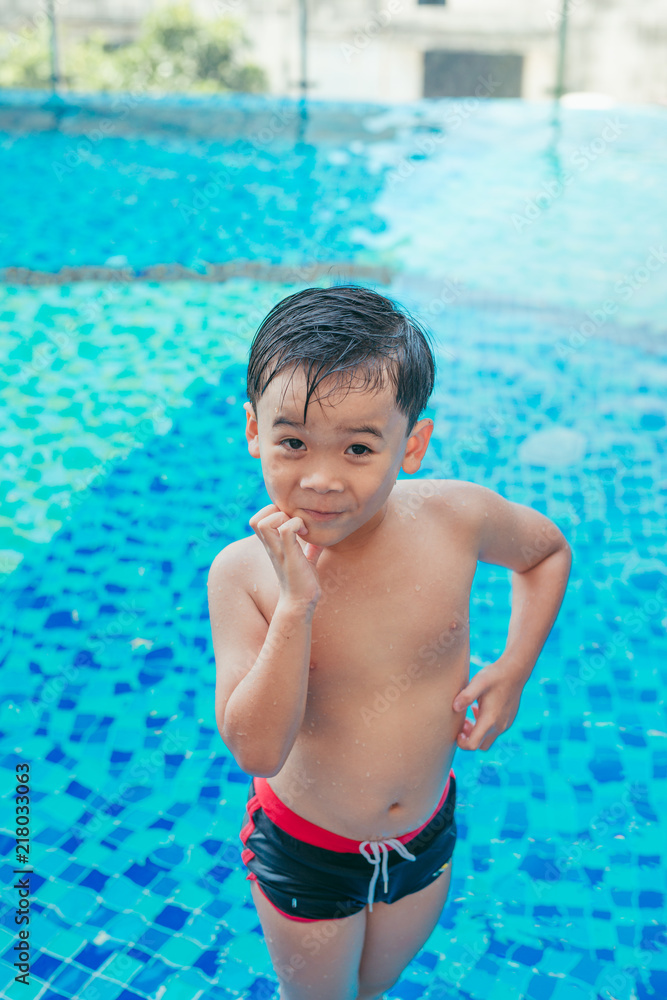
x: 375, y: 775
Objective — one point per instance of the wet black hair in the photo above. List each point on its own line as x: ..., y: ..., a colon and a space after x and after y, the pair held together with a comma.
x: 345, y: 328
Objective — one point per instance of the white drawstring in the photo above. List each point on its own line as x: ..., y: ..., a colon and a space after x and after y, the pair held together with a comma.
x: 381, y: 847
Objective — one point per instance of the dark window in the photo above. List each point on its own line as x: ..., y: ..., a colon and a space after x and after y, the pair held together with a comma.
x: 472, y: 74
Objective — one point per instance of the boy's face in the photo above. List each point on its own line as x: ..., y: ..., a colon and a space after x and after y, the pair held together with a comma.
x: 326, y: 466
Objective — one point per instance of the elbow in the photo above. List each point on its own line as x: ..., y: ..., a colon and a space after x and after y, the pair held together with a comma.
x: 248, y: 761
x: 258, y: 770
x: 567, y: 550
x: 256, y: 766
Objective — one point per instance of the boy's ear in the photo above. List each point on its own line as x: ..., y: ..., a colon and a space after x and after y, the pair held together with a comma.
x: 251, y: 430
x: 416, y: 446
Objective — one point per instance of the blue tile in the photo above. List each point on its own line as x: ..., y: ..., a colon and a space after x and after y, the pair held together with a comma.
x: 527, y: 956
x: 153, y: 974
x: 587, y: 970
x: 44, y: 966
x: 93, y: 956
x: 173, y: 917
x: 144, y: 874
x: 651, y: 900
x: 612, y: 494
x: 208, y: 963
x: 541, y: 988
x: 71, y: 978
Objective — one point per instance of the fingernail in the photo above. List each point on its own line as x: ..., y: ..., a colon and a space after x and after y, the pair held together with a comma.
x: 457, y: 706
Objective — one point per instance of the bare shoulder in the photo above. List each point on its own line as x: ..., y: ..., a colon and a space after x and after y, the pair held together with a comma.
x: 459, y: 496
x: 462, y: 496
x: 454, y: 496
x: 503, y: 531
x: 234, y: 560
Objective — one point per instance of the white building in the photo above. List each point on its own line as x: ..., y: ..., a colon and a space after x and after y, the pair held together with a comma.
x: 402, y: 50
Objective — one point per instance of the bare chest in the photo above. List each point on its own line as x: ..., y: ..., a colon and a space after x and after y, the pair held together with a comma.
x: 390, y: 649
x: 404, y: 608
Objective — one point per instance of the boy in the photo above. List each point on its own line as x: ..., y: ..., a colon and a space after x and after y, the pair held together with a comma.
x: 340, y: 630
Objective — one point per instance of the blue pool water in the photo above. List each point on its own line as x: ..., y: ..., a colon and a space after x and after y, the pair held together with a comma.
x: 124, y: 471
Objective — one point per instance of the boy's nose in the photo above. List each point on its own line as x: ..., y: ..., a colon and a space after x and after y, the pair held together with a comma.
x: 321, y: 482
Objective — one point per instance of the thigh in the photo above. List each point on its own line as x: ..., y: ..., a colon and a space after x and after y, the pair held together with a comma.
x: 396, y: 932
x: 318, y: 960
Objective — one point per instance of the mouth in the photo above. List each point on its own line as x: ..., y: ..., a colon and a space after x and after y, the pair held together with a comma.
x: 322, y: 515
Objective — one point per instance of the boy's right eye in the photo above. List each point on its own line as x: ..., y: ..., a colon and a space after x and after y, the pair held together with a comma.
x: 298, y: 441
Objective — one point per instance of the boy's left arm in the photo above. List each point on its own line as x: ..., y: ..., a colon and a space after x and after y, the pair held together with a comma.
x: 525, y: 541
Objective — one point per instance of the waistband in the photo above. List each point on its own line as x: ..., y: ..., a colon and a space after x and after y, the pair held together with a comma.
x: 318, y: 836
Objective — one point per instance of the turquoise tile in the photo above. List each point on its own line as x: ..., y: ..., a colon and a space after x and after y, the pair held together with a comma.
x: 107, y: 533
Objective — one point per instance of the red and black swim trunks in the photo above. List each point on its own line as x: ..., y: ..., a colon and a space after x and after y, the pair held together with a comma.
x: 309, y: 873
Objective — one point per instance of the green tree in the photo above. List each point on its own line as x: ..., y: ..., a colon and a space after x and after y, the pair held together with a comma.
x: 175, y: 51
x: 25, y: 59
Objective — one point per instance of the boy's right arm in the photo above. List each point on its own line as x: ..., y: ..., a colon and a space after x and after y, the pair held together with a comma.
x: 261, y: 671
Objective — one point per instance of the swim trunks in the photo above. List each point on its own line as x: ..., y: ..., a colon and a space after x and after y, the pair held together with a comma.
x: 309, y: 873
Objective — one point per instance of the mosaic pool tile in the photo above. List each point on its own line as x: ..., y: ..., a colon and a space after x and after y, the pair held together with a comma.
x: 558, y: 883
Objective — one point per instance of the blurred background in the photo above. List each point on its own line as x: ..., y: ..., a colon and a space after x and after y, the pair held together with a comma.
x: 388, y: 50
x: 169, y: 173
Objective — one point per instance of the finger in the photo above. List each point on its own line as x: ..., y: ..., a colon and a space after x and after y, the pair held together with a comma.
x: 467, y: 695
x: 269, y: 521
x: 464, y: 734
x: 313, y: 552
x: 479, y: 733
x: 273, y: 520
x: 256, y: 518
x: 292, y: 524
